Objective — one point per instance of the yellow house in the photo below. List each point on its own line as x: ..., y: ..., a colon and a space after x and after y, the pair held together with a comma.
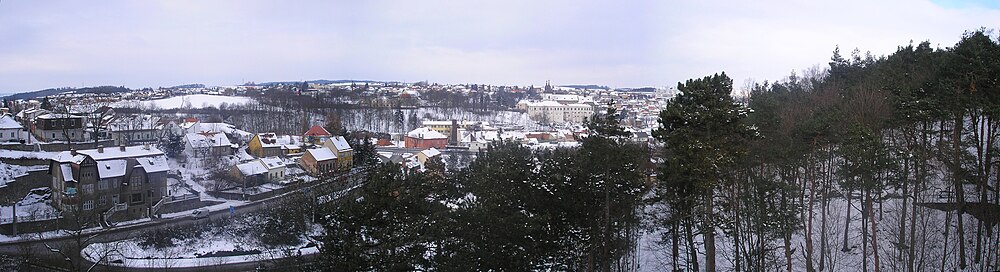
x: 339, y: 146
x: 264, y: 145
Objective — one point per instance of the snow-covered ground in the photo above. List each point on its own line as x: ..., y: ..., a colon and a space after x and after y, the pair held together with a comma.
x: 192, y: 101
x: 930, y: 248
x: 198, y: 247
x: 9, y: 172
x: 33, y: 207
x: 16, y: 154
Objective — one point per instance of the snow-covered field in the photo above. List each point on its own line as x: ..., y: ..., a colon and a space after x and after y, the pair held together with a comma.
x: 193, y: 101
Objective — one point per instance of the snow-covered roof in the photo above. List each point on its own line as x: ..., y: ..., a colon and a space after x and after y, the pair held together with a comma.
x: 431, y: 152
x: 426, y: 134
x: 111, y: 168
x: 251, y: 168
x: 7, y: 122
x: 545, y: 104
x: 57, y: 116
x: 322, y: 154
x: 207, y: 139
x: 271, y: 140
x: 272, y: 163
x: 153, y: 164
x: 340, y: 143
x: 109, y: 153
x: 67, y: 172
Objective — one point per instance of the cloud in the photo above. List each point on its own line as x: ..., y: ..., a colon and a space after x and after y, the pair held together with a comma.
x: 638, y: 43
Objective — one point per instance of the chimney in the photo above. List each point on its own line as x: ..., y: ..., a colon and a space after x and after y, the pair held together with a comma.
x: 145, y: 146
x: 122, y: 147
x: 72, y: 151
x: 100, y: 148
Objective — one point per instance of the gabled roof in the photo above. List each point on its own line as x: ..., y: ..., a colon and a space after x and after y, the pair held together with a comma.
x: 322, y: 154
x: 208, y: 139
x: 339, y: 143
x: 317, y: 131
x: 251, y: 168
x: 7, y: 122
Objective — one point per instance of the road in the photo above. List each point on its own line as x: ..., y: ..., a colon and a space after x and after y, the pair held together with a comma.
x: 37, y: 247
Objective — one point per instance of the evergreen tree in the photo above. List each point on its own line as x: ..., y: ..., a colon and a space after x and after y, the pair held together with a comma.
x: 704, y: 136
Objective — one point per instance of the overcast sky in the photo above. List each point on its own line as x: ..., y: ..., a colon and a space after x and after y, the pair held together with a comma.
x: 46, y: 44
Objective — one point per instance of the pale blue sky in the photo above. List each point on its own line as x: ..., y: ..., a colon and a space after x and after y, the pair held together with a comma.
x: 140, y: 43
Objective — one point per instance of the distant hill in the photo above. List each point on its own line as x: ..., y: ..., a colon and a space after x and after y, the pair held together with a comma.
x: 55, y: 91
x: 642, y: 89
x: 188, y: 86
x: 589, y: 87
x: 319, y: 81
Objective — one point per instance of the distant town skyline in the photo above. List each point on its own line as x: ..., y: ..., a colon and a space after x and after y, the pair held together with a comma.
x: 635, y: 44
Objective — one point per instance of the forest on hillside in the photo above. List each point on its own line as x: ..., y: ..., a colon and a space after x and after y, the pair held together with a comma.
x: 874, y: 164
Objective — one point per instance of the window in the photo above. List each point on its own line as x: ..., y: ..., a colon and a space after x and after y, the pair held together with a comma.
x: 88, y: 188
x: 88, y: 205
x: 103, y: 201
x: 136, y: 181
x: 114, y: 199
x: 114, y: 183
x: 136, y: 198
x: 103, y: 184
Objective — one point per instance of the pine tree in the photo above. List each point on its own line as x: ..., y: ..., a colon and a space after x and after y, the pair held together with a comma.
x: 704, y: 135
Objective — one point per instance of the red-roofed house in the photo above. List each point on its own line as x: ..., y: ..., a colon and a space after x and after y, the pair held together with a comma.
x: 316, y: 135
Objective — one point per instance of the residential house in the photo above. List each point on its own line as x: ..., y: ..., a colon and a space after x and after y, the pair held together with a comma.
x: 424, y: 138
x: 10, y: 130
x: 208, y: 144
x: 319, y: 161
x: 316, y: 135
x: 259, y: 171
x: 343, y: 150
x: 427, y: 154
x: 270, y: 145
x: 135, y: 129
x: 60, y: 127
x: 126, y: 182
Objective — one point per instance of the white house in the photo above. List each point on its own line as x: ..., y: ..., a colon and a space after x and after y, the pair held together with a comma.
x: 10, y: 130
x: 208, y: 144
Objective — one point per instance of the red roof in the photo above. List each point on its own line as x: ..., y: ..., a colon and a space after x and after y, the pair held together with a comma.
x: 190, y: 120
x: 317, y: 131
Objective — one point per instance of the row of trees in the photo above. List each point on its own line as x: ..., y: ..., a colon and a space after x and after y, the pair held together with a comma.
x: 868, y: 134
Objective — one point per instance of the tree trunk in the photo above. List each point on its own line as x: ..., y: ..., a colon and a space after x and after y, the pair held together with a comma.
x: 809, y: 222
x: 709, y: 231
x: 959, y: 187
x: 675, y: 247
x: 871, y: 216
x: 847, y: 222
x: 692, y: 250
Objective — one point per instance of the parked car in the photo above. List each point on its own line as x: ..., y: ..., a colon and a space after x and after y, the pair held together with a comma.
x: 199, y: 213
